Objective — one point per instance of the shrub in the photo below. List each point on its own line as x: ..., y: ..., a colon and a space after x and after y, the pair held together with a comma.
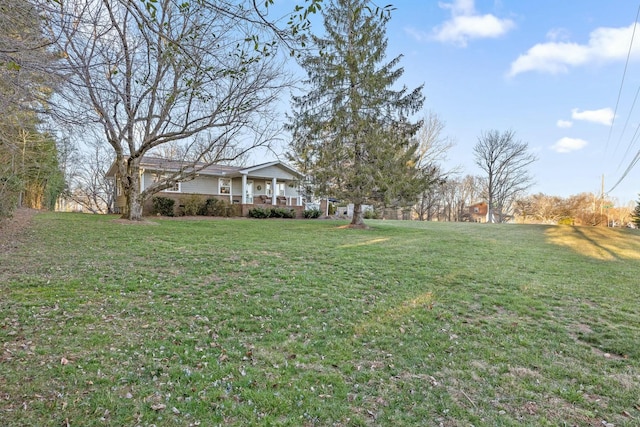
x: 372, y: 214
x: 282, y: 213
x: 259, y: 212
x: 233, y: 210
x: 312, y: 213
x: 215, y: 207
x: 163, y: 206
x: 191, y: 205
x: 276, y: 213
x: 565, y: 221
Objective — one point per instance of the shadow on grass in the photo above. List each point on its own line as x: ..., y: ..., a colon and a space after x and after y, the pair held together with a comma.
x: 595, y: 242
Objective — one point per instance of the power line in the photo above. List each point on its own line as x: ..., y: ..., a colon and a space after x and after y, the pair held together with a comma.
x: 624, y: 73
x: 631, y: 142
x: 626, y: 172
x: 624, y: 129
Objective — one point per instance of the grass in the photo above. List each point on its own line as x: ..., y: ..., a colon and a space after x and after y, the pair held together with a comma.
x: 274, y: 322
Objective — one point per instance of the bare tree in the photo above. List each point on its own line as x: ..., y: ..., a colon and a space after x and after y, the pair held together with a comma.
x: 469, y: 191
x: 432, y: 151
x: 577, y: 209
x: 88, y: 185
x: 505, y: 161
x: 586, y: 209
x: 547, y: 209
x: 199, y: 74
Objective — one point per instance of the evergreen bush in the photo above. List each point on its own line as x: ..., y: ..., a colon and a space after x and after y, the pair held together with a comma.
x: 259, y: 212
x: 312, y: 213
x: 163, y: 206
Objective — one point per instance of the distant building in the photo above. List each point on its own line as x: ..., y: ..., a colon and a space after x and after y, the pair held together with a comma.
x: 478, y: 212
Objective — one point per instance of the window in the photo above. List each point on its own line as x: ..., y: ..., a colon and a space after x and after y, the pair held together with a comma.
x: 280, y: 188
x: 175, y: 188
x: 267, y: 188
x: 224, y: 186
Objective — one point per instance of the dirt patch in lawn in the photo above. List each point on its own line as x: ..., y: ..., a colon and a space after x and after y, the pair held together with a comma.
x: 15, y: 230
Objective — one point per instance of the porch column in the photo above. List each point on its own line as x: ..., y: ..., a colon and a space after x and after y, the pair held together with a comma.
x: 244, y: 189
x: 274, y: 188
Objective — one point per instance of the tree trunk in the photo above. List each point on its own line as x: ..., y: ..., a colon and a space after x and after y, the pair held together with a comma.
x: 357, y: 221
x: 133, y: 211
x: 490, y: 217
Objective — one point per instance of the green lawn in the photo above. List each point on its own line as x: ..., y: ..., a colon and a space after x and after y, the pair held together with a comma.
x: 302, y: 323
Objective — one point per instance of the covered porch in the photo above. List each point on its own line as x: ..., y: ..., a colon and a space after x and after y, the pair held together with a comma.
x: 265, y: 192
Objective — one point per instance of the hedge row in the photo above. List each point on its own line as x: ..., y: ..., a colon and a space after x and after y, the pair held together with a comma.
x: 194, y: 205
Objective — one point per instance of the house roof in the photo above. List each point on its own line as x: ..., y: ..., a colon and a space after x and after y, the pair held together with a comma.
x: 165, y: 165
x: 253, y: 169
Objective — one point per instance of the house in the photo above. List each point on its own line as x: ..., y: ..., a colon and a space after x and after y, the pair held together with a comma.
x: 267, y: 184
x: 478, y: 212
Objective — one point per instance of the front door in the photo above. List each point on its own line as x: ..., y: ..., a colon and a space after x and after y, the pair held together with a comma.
x: 249, y: 190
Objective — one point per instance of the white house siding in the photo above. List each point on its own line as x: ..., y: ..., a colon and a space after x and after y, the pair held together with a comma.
x: 209, y: 185
x: 275, y: 171
x: 236, y: 187
x: 200, y: 185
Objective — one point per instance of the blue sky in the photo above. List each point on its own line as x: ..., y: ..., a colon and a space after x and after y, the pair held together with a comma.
x: 551, y: 70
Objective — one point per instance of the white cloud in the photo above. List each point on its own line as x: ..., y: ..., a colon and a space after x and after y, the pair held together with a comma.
x: 465, y: 24
x: 557, y: 34
x: 605, y: 44
x: 603, y: 116
x: 567, y: 145
x: 564, y: 123
x: 459, y: 7
x: 419, y: 35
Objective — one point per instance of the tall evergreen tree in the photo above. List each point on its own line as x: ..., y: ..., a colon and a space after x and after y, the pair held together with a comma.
x: 352, y: 131
x: 635, y: 215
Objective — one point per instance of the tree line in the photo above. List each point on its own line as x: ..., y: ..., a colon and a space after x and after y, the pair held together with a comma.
x: 29, y: 171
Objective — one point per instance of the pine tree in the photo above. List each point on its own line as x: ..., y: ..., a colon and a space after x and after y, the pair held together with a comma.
x: 351, y: 131
x: 635, y: 215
